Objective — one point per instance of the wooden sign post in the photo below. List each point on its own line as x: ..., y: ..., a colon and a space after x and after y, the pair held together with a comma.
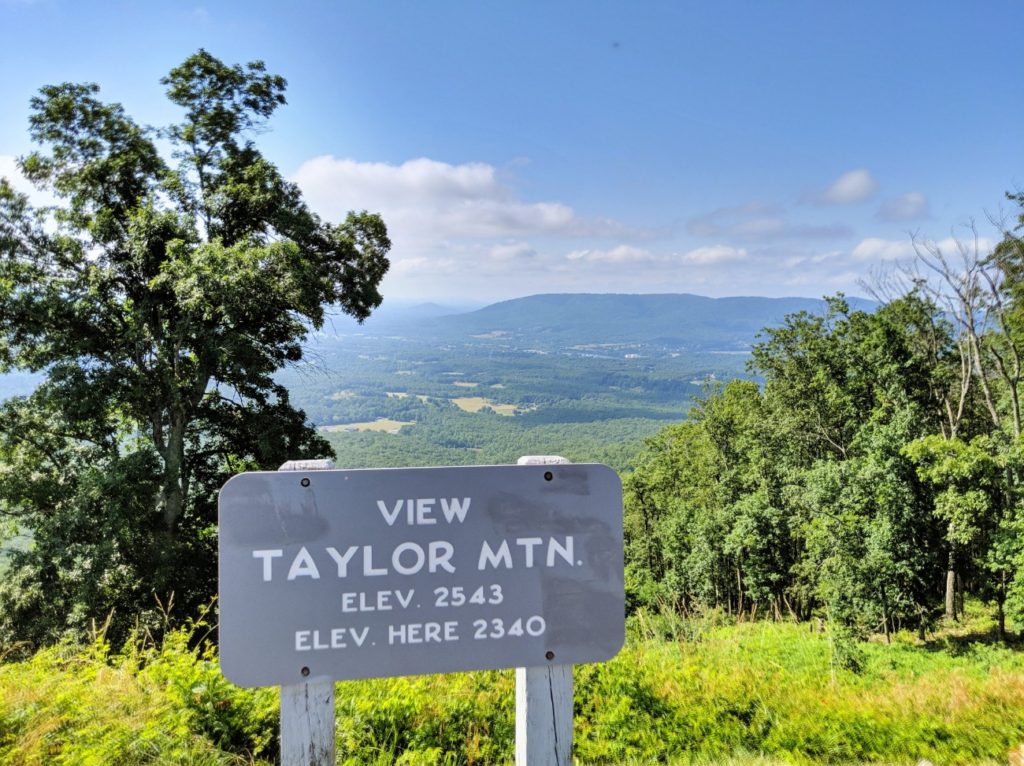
x: 307, y: 710
x: 544, y: 696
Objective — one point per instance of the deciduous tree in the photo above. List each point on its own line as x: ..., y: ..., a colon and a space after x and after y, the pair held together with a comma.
x: 159, y: 297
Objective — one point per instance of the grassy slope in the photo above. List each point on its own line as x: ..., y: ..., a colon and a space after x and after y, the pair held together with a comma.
x: 753, y: 694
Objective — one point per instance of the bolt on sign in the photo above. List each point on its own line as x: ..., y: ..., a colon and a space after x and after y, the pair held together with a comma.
x: 391, y: 572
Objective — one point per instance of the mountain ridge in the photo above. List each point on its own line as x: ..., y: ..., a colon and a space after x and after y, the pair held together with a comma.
x: 678, y: 320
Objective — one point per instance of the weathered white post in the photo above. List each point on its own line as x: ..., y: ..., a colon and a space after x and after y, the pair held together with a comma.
x: 544, y: 696
x: 307, y: 710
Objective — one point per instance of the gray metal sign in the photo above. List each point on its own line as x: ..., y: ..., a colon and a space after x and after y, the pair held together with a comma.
x: 392, y: 572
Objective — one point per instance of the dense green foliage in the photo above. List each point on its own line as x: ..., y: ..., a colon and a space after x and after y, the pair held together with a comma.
x: 876, y: 475
x: 444, y: 435
x: 682, y: 691
x: 158, y: 297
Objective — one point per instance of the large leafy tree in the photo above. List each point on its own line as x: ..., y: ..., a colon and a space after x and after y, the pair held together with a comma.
x: 159, y: 297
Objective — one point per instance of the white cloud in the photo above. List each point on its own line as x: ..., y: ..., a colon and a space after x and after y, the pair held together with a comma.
x: 876, y: 249
x: 906, y: 207
x: 853, y: 186
x: 422, y: 265
x: 512, y: 251
x: 816, y: 258
x: 379, y: 182
x: 953, y: 246
x: 460, y: 227
x: 620, y: 254
x: 423, y: 200
x: 715, y: 254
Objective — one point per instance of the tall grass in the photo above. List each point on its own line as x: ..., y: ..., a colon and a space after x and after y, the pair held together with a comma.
x: 148, y: 704
x: 683, y: 691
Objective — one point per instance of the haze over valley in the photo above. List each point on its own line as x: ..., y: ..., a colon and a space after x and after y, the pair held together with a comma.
x: 585, y: 375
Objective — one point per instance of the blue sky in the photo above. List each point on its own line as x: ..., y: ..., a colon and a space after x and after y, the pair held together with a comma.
x: 720, y: 148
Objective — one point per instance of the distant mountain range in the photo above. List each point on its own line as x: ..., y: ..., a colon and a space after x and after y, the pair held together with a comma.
x: 670, y: 322
x: 678, y: 321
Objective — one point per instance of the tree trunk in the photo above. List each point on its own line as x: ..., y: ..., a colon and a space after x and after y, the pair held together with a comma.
x: 951, y: 591
x: 1000, y: 600
x: 174, y: 463
x: 739, y: 594
x: 885, y: 617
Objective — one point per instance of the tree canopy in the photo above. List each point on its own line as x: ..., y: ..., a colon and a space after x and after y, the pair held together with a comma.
x: 159, y: 297
x: 872, y: 479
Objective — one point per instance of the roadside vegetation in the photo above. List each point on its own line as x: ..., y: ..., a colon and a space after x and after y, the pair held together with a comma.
x: 703, y: 689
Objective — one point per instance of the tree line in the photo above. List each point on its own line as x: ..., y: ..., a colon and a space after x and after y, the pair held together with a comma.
x: 875, y: 477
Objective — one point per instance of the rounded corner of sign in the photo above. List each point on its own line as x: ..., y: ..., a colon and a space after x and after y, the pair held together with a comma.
x: 229, y: 673
x: 608, y: 651
x: 608, y: 470
x: 615, y: 477
x: 225, y: 486
x: 618, y: 646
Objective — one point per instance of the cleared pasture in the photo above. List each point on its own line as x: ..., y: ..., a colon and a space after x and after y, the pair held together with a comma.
x: 381, y: 424
x: 477, y: 403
